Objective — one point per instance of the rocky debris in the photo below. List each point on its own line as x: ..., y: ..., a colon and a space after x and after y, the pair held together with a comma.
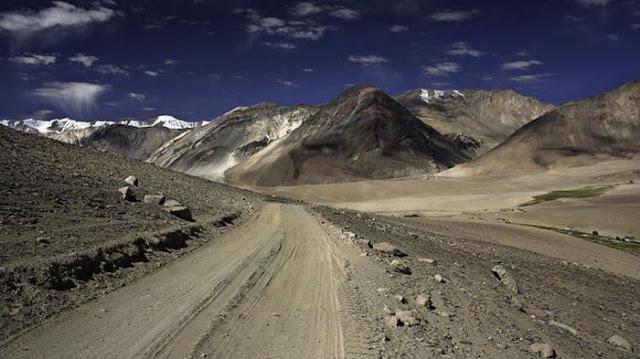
x: 127, y: 194
x: 439, y: 278
x: 543, y: 350
x: 424, y: 300
x: 401, y: 299
x: 132, y: 181
x: 620, y: 342
x: 388, y: 248
x: 563, y: 326
x: 403, y: 318
x: 177, y: 209
x: 399, y: 266
x: 156, y: 199
x: 506, y: 278
x: 427, y: 260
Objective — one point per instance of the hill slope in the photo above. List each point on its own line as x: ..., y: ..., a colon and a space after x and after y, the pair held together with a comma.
x: 476, y: 120
x: 604, y: 126
x: 362, y: 134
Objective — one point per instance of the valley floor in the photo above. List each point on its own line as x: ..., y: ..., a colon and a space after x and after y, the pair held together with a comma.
x: 293, y: 281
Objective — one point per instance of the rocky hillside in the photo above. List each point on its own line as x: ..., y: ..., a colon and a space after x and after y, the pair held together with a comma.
x: 476, y: 120
x: 362, y: 134
x: 210, y: 150
x: 580, y: 132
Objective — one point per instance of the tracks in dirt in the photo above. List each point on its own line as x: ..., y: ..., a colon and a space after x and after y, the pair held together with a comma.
x: 268, y: 288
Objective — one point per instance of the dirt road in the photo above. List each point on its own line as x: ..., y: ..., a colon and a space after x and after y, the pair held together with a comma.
x: 270, y: 287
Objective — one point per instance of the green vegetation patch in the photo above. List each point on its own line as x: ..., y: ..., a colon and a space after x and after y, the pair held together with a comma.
x: 584, y: 192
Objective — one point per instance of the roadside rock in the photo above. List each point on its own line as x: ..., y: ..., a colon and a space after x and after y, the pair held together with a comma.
x: 424, y: 300
x: 132, y: 181
x: 156, y: 199
x: 399, y: 266
x: 180, y: 212
x: 388, y: 248
x: 506, y: 278
x: 543, y: 350
x: 127, y: 193
x: 620, y: 342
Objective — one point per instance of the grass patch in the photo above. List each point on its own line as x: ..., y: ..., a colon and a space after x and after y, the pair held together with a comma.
x: 584, y: 192
x: 631, y: 247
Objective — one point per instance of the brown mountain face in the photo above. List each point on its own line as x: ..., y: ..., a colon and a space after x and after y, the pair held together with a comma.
x: 133, y: 142
x: 362, y: 134
x: 602, y: 127
x: 475, y: 120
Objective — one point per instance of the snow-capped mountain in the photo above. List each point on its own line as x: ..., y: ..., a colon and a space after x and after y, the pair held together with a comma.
x: 429, y: 96
x: 59, y: 126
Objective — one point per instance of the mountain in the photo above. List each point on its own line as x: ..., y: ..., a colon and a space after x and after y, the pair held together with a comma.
x: 208, y: 151
x: 476, y: 120
x: 133, y: 142
x: 580, y: 132
x: 362, y: 134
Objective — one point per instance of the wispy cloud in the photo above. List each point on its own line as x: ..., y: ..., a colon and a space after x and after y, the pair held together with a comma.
x: 112, y: 70
x: 308, y: 29
x: 635, y: 26
x: 367, y: 59
x: 137, y: 96
x: 85, y: 60
x: 441, y: 69
x: 151, y: 73
x: 280, y: 45
x: 448, y: 15
x: 305, y: 9
x: 346, y: 14
x: 463, y: 49
x: 76, y: 98
x: 286, y: 83
x: 60, y: 14
x: 594, y: 2
x: 34, y: 59
x: 520, y: 65
x: 398, y: 28
x: 171, y: 62
x: 530, y: 79
x: 308, y: 70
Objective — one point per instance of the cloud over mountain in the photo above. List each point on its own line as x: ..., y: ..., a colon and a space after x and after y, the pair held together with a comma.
x: 73, y: 97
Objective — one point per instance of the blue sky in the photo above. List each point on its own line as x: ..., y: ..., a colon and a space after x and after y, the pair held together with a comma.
x: 195, y: 59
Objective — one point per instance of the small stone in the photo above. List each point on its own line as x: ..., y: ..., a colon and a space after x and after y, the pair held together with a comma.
x: 127, y: 193
x: 506, y: 278
x: 401, y: 299
x: 132, y: 181
x: 439, y: 278
x: 620, y: 342
x: 543, y: 350
x: 43, y: 240
x: 388, y: 310
x: 408, y: 317
x: 399, y: 266
x: 156, y: 199
x: 427, y: 260
x: 424, y: 300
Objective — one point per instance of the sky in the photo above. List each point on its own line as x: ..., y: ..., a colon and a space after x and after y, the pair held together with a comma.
x: 196, y: 59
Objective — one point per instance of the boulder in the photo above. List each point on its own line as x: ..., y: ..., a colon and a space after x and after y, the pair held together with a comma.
x: 132, y: 181
x: 543, y: 350
x: 127, y: 193
x: 399, y: 266
x: 388, y: 248
x: 156, y: 199
x: 424, y: 300
x: 620, y: 342
x: 180, y: 212
x: 506, y: 278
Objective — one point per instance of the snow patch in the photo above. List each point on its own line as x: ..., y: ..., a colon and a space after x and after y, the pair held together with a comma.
x: 434, y: 95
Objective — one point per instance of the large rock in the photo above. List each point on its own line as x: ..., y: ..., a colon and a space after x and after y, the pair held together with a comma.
x: 506, y: 278
x: 388, y: 248
x: 620, y: 342
x: 543, y: 350
x: 180, y: 212
x: 399, y: 266
x: 132, y: 181
x: 156, y: 199
x: 127, y: 194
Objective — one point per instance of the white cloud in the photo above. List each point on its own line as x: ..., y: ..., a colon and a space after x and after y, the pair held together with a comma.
x: 309, y: 30
x: 441, y: 69
x: 530, y: 79
x: 613, y: 37
x: 308, y: 70
x: 286, y: 83
x: 59, y: 14
x: 347, y: 14
x: 594, y: 2
x: 305, y: 8
x: 367, y: 59
x: 151, y: 73
x: 453, y: 15
x: 463, y: 49
x: 83, y: 59
x: 137, y: 96
x: 112, y: 70
x: 520, y: 65
x: 170, y: 62
x: 34, y: 59
x: 73, y: 97
x: 398, y: 28
x: 279, y: 45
